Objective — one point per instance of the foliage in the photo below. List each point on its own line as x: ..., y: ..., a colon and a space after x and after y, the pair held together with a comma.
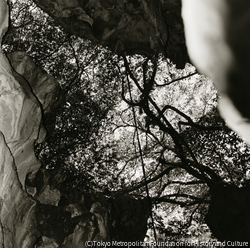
x: 85, y: 72
x: 180, y: 153
x: 221, y: 150
x: 130, y: 122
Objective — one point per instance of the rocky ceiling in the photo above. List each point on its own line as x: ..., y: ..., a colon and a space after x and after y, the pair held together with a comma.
x: 136, y: 26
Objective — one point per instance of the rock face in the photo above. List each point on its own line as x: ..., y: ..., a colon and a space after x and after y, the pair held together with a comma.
x: 44, y: 86
x: 20, y: 114
x: 136, y: 26
x: 17, y: 209
x: 19, y: 128
x: 118, y: 219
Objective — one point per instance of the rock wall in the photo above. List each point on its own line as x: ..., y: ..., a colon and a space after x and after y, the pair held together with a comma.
x: 17, y: 208
x: 44, y: 86
x: 19, y: 128
x: 21, y: 113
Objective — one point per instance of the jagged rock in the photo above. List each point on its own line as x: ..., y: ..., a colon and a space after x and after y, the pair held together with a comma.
x: 75, y: 209
x: 38, y: 182
x: 93, y: 213
x: 49, y: 196
x: 44, y: 86
x: 20, y: 113
x: 83, y: 232
x: 45, y: 242
x: 19, y: 128
x: 141, y: 26
x: 24, y: 222
x: 101, y: 215
x: 20, y: 122
x: 93, y: 225
x: 56, y: 223
x: 17, y: 209
x: 121, y: 219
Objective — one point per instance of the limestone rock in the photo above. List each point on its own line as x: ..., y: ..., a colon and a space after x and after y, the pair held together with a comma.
x: 75, y: 209
x: 83, y: 232
x: 21, y: 115
x: 20, y: 122
x: 49, y: 196
x: 101, y: 215
x: 46, y: 243
x: 93, y: 226
x: 19, y: 128
x: 24, y: 222
x: 44, y: 86
x: 17, y: 209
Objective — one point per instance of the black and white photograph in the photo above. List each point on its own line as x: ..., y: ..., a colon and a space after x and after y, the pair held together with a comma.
x: 124, y: 123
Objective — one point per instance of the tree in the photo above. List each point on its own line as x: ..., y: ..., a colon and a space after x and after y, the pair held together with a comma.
x: 133, y: 130
x: 217, y: 167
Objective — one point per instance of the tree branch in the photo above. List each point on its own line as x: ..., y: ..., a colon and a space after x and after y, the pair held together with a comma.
x: 176, y: 80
